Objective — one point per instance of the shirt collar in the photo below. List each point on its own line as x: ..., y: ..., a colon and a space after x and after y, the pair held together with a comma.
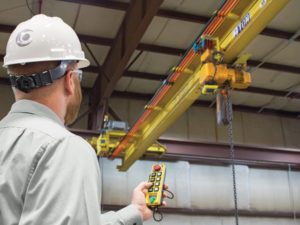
x: 33, y: 107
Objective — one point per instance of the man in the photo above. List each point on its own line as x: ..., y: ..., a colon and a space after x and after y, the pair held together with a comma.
x: 47, y: 174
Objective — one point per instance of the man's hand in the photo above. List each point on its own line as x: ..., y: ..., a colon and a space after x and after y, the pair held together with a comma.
x: 139, y: 199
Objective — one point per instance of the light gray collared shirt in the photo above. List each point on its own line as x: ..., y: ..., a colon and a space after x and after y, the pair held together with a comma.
x: 49, y: 175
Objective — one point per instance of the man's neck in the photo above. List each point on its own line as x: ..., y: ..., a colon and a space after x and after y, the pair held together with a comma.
x: 55, y: 104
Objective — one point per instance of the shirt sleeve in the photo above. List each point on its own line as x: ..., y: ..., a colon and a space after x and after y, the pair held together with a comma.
x: 64, y: 188
x: 128, y: 215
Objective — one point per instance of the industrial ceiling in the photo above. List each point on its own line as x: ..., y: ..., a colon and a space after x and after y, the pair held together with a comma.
x: 172, y: 28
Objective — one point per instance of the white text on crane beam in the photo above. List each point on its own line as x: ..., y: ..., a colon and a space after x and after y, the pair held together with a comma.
x: 241, y: 26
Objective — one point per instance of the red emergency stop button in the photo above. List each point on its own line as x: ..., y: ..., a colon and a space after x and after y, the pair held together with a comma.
x: 157, y: 167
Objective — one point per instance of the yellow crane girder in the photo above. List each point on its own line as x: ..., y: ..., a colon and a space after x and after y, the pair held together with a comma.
x: 232, y: 28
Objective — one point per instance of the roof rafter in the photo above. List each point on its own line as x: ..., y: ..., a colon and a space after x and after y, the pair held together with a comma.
x: 138, y: 17
x: 166, y: 50
x: 241, y: 108
x: 161, y: 77
x: 177, y: 15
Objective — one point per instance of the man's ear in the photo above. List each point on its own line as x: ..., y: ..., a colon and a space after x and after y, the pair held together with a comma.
x: 69, y: 82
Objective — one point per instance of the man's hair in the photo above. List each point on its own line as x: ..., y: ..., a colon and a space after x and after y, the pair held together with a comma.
x: 31, y: 68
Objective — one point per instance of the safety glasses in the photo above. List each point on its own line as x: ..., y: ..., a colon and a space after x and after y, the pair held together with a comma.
x: 79, y: 72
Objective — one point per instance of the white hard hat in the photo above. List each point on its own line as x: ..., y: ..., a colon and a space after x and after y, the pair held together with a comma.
x: 43, y: 38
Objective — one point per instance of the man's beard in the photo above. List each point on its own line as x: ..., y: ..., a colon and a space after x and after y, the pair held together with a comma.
x: 74, y: 105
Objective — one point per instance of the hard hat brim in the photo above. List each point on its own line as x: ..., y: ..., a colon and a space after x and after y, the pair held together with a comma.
x: 83, y: 63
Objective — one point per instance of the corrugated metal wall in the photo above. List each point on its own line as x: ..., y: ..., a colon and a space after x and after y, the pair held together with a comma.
x: 209, y: 187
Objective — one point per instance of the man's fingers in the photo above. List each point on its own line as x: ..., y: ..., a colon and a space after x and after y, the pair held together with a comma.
x: 145, y: 191
x: 165, y: 195
x: 144, y: 185
x: 164, y: 203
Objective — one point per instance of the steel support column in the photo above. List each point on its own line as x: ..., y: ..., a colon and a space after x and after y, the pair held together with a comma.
x: 138, y: 17
x: 96, y: 115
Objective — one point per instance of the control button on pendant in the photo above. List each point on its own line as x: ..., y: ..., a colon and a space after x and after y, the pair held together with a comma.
x: 157, y: 167
x: 152, y: 199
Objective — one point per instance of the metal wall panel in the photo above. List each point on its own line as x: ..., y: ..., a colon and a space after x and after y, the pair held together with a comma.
x: 201, y: 124
x: 262, y: 130
x: 291, y: 132
x: 207, y: 187
x: 269, y: 190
